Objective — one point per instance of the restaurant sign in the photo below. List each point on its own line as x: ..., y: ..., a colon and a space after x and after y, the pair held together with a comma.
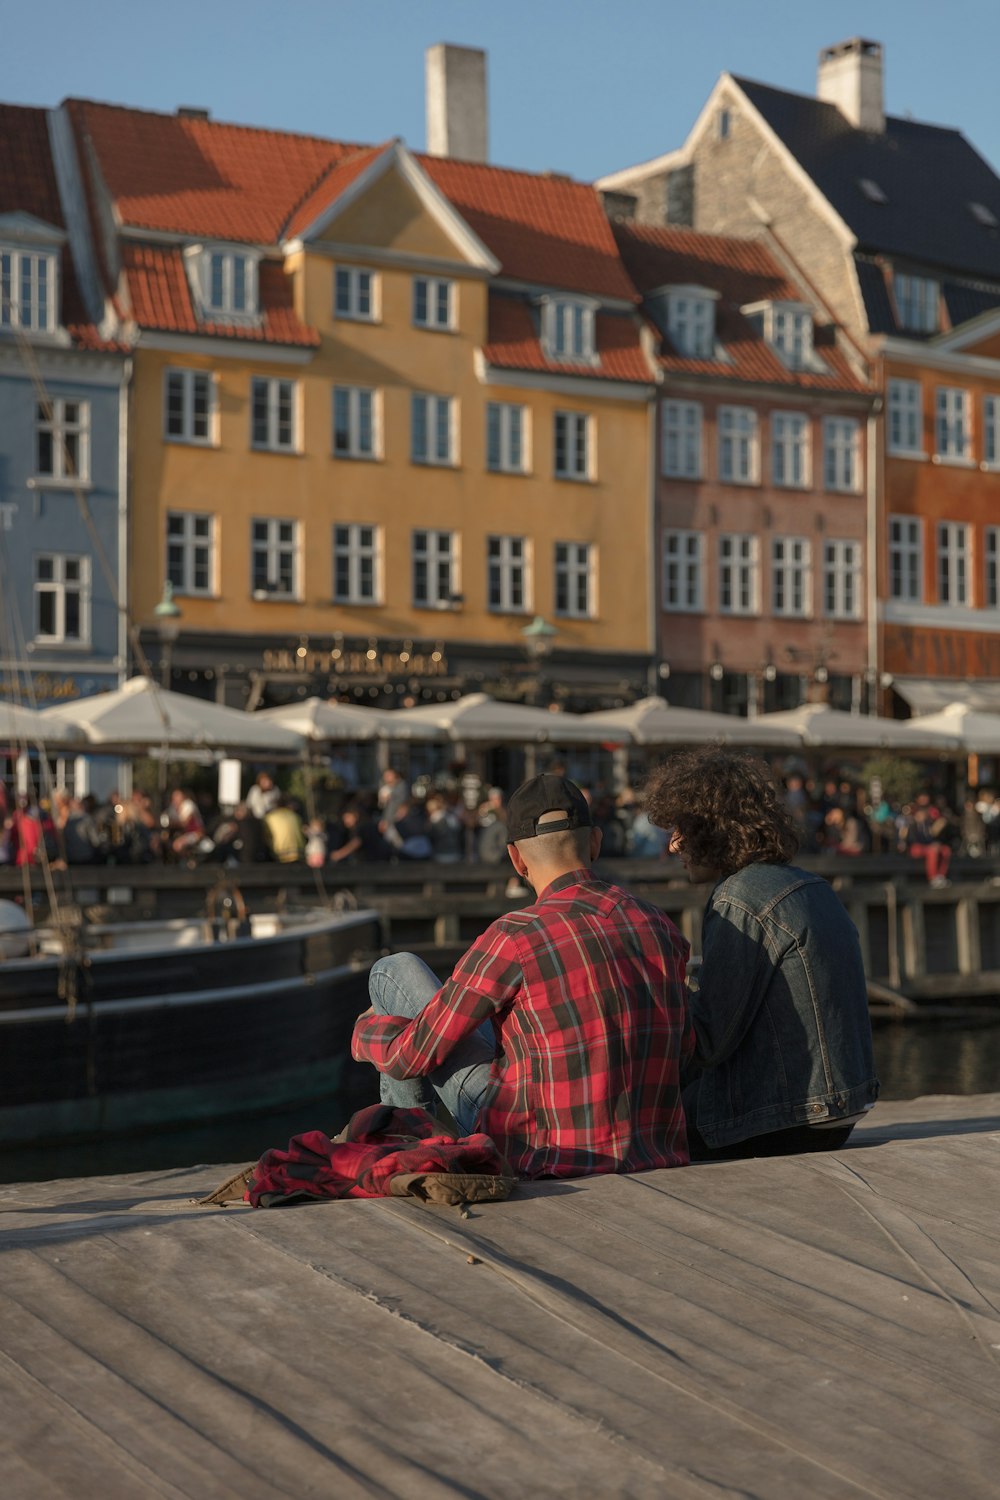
x: 371, y: 663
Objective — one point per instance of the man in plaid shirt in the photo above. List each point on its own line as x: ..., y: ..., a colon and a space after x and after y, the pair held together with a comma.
x: 562, y: 1031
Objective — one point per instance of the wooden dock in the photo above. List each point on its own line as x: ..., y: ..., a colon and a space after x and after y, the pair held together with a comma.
x: 823, y: 1327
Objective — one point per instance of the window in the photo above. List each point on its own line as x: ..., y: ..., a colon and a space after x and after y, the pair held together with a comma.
x: 568, y: 328
x: 230, y: 287
x: 62, y: 598
x: 790, y: 450
x: 790, y: 576
x: 507, y: 573
x: 27, y: 290
x: 574, y: 580
x: 991, y: 555
x: 842, y: 580
x: 738, y: 445
x: 275, y: 559
x: 871, y: 190
x: 682, y: 439
x: 916, y: 302
x: 951, y: 423
x: 691, y: 322
x: 906, y: 418
x: 991, y: 431
x: 683, y: 566
x: 63, y: 439
x: 432, y: 429
x: 354, y: 432
x: 189, y: 406
x: 840, y: 454
x: 906, y: 563
x: 738, y: 575
x: 723, y: 124
x: 273, y: 404
x: 433, y: 302
x: 506, y: 438
x: 572, y: 445
x: 953, y: 562
x: 984, y: 215
x: 435, y: 569
x: 792, y: 336
x: 356, y: 564
x: 190, y: 561
x: 354, y: 294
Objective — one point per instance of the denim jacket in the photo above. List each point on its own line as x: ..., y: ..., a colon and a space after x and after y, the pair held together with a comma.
x: 781, y: 1012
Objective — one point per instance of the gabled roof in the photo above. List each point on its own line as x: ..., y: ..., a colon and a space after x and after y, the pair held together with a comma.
x: 513, y: 343
x: 928, y: 174
x: 742, y: 272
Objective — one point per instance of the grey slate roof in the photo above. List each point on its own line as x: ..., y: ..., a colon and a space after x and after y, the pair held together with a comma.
x: 928, y: 173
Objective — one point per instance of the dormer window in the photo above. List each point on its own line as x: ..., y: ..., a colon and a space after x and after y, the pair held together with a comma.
x: 691, y: 320
x: 28, y: 293
x: 568, y: 329
x: 225, y: 283
x: 917, y: 302
x: 788, y: 328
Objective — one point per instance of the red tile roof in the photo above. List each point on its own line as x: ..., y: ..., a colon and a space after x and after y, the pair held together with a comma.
x: 326, y: 192
x: 161, y: 299
x: 742, y: 272
x: 513, y: 343
x: 545, y: 230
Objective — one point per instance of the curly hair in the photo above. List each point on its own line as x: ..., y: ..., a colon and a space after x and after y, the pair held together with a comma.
x: 725, y: 806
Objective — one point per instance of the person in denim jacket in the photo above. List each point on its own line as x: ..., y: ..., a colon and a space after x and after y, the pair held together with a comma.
x: 784, y: 1042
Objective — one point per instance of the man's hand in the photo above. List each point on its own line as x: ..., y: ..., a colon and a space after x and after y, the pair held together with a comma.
x: 369, y: 1012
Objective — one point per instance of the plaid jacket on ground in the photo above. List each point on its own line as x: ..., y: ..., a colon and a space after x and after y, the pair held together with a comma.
x: 585, y: 989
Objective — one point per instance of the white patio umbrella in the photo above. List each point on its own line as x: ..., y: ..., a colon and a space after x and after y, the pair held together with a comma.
x: 142, y: 716
x: 821, y: 726
x: 970, y: 729
x: 653, y: 721
x: 318, y: 720
x: 19, y: 725
x: 482, y: 719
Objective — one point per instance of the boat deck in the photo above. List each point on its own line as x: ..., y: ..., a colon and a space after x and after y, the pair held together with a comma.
x: 823, y: 1326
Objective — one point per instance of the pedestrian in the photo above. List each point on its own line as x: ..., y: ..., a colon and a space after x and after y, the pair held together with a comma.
x: 283, y: 833
x: 262, y: 796
x: 562, y: 1030
x: 784, y: 1042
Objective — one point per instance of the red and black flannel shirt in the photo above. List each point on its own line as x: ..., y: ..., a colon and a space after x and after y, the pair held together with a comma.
x: 585, y: 989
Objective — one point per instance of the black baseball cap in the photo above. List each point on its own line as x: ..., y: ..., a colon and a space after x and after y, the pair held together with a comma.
x: 545, y: 794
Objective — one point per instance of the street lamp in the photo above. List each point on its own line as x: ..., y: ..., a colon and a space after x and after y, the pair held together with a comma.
x: 168, y: 617
x: 538, y: 639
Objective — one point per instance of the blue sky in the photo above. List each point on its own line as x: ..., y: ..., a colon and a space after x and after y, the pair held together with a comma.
x: 578, y: 86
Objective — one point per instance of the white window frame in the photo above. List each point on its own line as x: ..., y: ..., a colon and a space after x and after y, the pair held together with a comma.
x: 790, y: 334
x: 681, y: 435
x: 790, y: 456
x: 905, y: 419
x: 235, y: 300
x: 575, y: 580
x: 433, y: 287
x: 918, y: 302
x: 841, y: 579
x: 189, y: 540
x: 991, y: 566
x: 906, y: 559
x: 436, y: 565
x: 58, y: 587
x: 954, y: 563
x: 502, y: 419
x: 739, y: 574
x: 991, y: 432
x: 841, y: 455
x: 683, y: 571
x: 440, y: 418
x: 952, y: 427
x: 275, y: 390
x: 791, y: 577
x: 359, y: 545
x: 188, y: 380
x: 738, y: 442
x: 31, y: 271
x: 51, y: 418
x: 508, y: 561
x: 357, y: 294
x: 569, y: 329
x: 691, y: 320
x: 353, y: 399
x: 576, y: 425
x: 275, y: 548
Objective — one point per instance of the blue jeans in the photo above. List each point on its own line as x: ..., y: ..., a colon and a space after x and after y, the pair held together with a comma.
x: 401, y: 984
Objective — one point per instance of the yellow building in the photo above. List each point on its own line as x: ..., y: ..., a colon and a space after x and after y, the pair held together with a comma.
x: 390, y: 417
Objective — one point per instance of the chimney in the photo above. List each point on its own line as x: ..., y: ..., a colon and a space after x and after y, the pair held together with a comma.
x: 193, y: 112
x: 850, y: 76
x: 456, y: 102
